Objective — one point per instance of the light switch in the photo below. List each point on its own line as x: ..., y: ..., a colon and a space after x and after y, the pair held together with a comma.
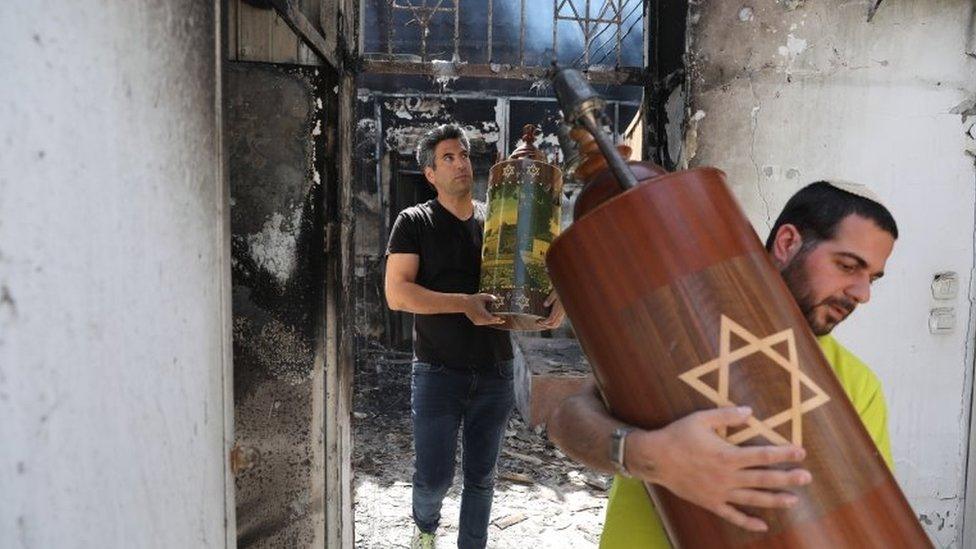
x: 945, y: 285
x: 942, y: 320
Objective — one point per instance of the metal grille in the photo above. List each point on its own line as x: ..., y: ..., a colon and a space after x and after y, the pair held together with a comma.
x: 598, y: 47
x: 422, y: 15
x: 611, y: 15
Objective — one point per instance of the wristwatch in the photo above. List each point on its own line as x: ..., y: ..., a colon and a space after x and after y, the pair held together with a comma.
x: 618, y: 441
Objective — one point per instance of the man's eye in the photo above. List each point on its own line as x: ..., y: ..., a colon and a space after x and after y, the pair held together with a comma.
x: 847, y: 268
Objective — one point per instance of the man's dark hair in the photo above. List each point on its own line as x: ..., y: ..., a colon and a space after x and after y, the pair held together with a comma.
x: 817, y: 209
x: 427, y: 144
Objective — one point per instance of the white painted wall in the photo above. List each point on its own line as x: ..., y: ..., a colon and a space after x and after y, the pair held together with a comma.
x: 113, y: 263
x: 792, y: 96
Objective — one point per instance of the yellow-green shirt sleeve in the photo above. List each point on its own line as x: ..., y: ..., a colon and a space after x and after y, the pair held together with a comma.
x: 864, y: 390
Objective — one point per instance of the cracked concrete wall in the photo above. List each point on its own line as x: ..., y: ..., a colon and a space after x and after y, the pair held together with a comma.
x: 113, y: 254
x: 785, y: 93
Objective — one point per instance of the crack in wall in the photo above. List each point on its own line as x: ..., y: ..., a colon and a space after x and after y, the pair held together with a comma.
x: 968, y: 390
x: 753, y: 126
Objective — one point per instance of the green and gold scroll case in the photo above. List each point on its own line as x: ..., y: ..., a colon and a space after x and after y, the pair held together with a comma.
x: 524, y: 195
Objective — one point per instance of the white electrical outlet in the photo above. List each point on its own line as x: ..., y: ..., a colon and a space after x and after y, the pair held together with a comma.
x: 942, y: 320
x: 945, y: 286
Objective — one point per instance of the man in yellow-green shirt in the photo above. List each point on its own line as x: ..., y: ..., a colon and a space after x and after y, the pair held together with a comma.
x: 830, y: 243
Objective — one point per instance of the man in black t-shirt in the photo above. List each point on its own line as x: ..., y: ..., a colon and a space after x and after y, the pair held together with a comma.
x: 462, y: 370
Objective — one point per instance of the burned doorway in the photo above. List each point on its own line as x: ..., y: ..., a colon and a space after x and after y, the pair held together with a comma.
x: 387, y: 180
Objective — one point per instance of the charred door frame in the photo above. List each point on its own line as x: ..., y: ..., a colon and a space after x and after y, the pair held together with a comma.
x: 338, y: 49
x: 226, y: 286
x: 340, y: 311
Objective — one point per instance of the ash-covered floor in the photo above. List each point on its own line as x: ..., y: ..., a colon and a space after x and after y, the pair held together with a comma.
x: 542, y: 499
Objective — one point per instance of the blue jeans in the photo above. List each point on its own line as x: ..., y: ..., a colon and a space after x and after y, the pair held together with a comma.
x: 479, y: 403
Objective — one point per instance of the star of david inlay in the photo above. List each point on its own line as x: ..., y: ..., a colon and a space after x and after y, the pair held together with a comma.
x: 522, y: 302
x: 533, y: 171
x: 790, y: 363
x: 508, y: 171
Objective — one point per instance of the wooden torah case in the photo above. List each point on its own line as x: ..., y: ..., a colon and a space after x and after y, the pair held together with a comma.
x: 678, y: 307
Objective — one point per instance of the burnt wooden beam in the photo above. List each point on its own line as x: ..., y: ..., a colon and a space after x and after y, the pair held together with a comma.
x: 305, y: 30
x: 624, y: 76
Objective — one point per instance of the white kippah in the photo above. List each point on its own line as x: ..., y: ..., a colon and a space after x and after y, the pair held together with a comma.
x: 856, y: 189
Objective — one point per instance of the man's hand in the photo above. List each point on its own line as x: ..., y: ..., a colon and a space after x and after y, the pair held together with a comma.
x: 696, y: 464
x: 475, y: 308
x: 556, y: 314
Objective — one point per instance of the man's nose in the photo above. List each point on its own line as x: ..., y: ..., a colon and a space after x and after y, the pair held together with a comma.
x: 860, y: 291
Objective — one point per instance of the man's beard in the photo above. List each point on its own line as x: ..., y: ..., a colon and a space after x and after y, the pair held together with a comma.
x: 798, y: 281
x: 460, y: 186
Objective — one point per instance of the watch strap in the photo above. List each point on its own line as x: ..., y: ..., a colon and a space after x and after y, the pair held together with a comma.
x: 618, y: 446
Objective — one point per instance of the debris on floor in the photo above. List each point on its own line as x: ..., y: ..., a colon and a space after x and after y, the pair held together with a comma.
x: 540, y: 494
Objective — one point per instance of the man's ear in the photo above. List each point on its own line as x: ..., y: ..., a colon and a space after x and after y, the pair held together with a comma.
x: 429, y: 174
x: 786, y: 244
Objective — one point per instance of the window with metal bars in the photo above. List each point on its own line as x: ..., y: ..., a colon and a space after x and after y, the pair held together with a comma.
x: 506, y: 38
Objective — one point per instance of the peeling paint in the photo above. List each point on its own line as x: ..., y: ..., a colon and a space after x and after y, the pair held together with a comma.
x: 689, y: 147
x: 273, y: 248
x: 316, y: 132
x: 791, y: 5
x: 967, y: 111
x: 793, y: 48
x: 489, y: 132
x: 795, y: 45
x: 424, y: 108
x: 445, y: 72
x: 969, y: 129
x: 403, y: 139
x: 965, y: 108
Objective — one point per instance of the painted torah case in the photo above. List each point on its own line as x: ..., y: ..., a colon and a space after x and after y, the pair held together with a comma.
x: 524, y: 197
x: 679, y: 308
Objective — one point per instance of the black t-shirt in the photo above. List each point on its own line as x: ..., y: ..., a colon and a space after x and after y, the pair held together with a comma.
x: 450, y: 262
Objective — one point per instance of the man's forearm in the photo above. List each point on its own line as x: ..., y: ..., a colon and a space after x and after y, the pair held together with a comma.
x: 687, y: 457
x: 582, y: 428
x: 413, y: 298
